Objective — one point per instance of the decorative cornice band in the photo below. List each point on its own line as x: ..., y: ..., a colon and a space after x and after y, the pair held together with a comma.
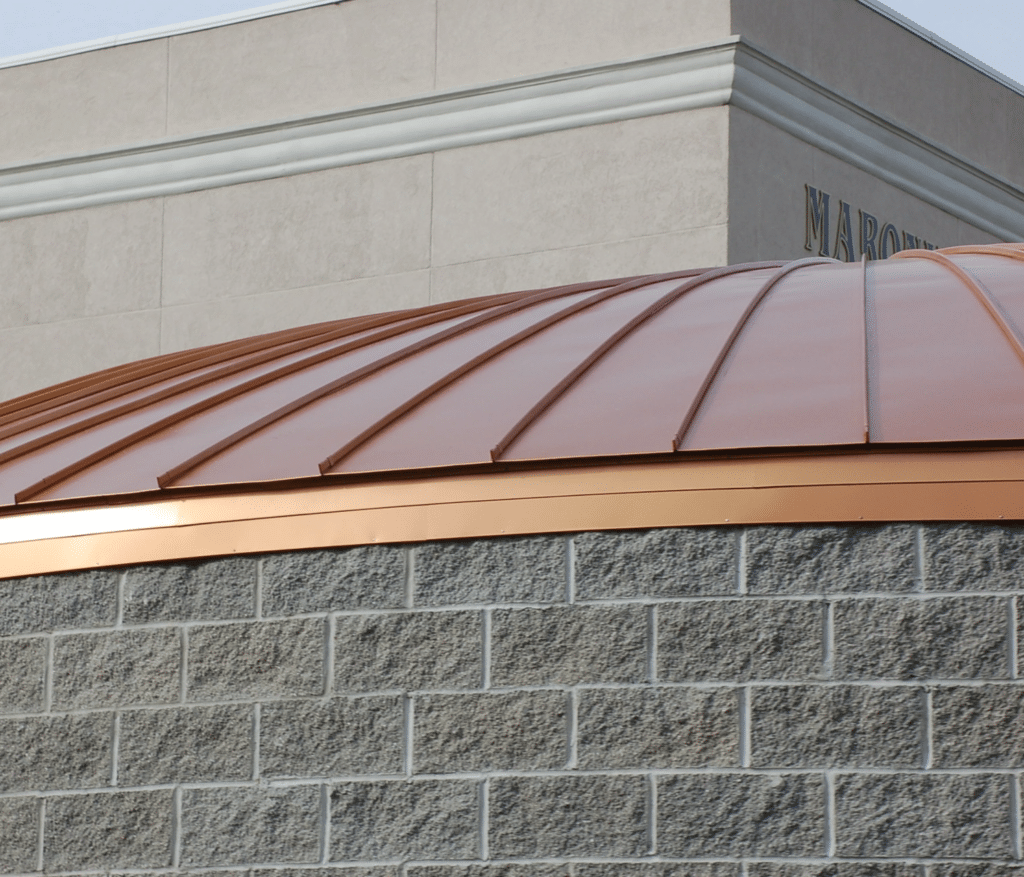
x: 685, y: 80
x: 726, y: 72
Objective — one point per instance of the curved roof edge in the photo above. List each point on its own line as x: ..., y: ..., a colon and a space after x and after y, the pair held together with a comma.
x: 811, y: 392
x: 786, y: 489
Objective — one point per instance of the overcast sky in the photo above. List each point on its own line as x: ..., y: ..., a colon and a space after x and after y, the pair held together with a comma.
x: 991, y: 30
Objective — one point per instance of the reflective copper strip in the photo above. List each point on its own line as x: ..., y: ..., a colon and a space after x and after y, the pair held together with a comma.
x: 950, y: 485
x: 716, y: 367
x: 867, y: 352
x: 980, y: 293
x: 611, y: 342
x: 333, y: 459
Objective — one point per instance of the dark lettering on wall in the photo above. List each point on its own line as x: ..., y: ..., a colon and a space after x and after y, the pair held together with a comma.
x: 877, y: 240
x: 844, y: 234
x: 817, y: 220
x: 868, y: 234
x: 886, y: 236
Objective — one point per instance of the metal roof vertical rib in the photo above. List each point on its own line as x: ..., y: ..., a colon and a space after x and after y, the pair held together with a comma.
x: 270, y: 352
x: 104, y: 416
x: 520, y: 303
x: 982, y: 295
x: 233, y: 392
x: 867, y: 352
x: 331, y: 461
x: 609, y: 343
x: 1008, y: 251
x: 716, y: 367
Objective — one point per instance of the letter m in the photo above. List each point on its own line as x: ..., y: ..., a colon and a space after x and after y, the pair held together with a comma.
x: 817, y: 220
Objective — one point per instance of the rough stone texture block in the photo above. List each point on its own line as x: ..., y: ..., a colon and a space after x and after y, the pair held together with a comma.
x: 659, y: 869
x: 954, y: 638
x: 192, y: 745
x: 978, y: 727
x: 369, y: 871
x: 975, y: 870
x: 505, y: 870
x: 120, y: 668
x: 408, y: 651
x: 371, y: 577
x: 19, y: 831
x: 737, y: 815
x: 114, y: 830
x: 973, y: 557
x: 740, y: 640
x: 56, y: 602
x: 660, y: 727
x: 55, y: 752
x: 846, y: 726
x: 929, y: 816
x: 524, y: 730
x: 342, y: 736
x: 240, y: 825
x: 829, y: 560
x: 568, y: 645
x: 656, y: 563
x: 523, y: 570
x: 259, y: 659
x: 203, y: 590
x: 568, y: 816
x: 433, y: 819
x: 860, y: 869
x: 22, y: 675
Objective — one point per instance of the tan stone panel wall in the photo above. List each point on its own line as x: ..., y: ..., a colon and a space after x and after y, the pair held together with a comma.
x: 36, y: 356
x: 768, y: 170
x: 207, y: 322
x: 83, y: 103
x: 690, y: 248
x: 489, y: 40
x: 83, y: 263
x: 299, y: 231
x: 864, y: 56
x: 314, y: 61
x: 594, y: 185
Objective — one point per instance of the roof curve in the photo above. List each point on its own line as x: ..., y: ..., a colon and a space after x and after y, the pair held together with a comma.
x: 923, y: 351
x: 924, y: 348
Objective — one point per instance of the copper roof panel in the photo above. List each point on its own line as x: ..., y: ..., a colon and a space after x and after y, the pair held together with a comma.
x: 293, y: 446
x: 633, y: 399
x: 498, y: 391
x: 796, y: 375
x: 941, y: 369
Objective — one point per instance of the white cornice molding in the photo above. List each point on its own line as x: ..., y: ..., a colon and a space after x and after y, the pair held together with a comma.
x: 725, y: 72
x: 772, y: 92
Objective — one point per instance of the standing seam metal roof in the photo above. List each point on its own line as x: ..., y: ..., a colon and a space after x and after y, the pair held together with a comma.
x: 924, y: 349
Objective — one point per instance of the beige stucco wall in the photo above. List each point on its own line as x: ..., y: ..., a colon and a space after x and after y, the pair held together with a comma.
x: 94, y: 287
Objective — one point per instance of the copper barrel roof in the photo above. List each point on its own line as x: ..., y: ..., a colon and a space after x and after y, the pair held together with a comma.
x: 922, y: 351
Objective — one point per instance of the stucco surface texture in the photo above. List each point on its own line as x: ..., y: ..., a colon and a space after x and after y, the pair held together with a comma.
x: 719, y: 702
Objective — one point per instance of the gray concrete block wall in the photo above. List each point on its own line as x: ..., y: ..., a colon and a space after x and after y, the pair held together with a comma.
x: 715, y: 702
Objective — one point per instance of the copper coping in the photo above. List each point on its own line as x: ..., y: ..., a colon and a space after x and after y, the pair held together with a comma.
x: 773, y: 392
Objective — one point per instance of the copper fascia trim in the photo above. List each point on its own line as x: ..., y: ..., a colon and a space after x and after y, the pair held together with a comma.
x: 855, y: 487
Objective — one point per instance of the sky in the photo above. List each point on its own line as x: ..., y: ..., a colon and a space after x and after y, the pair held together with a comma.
x: 988, y: 29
